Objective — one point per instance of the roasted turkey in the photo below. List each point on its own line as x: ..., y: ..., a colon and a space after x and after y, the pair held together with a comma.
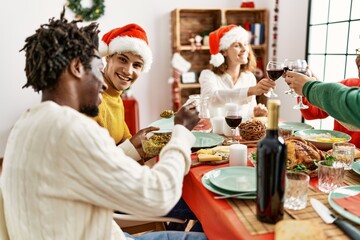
x: 303, y: 152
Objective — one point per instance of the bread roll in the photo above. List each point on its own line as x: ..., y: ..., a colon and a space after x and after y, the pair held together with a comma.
x: 298, y: 230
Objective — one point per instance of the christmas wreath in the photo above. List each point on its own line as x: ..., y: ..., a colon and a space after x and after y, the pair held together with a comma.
x: 87, y: 14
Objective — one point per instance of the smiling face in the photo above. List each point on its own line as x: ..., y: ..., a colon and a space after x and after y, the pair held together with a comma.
x: 92, y: 88
x: 122, y: 69
x: 237, y: 53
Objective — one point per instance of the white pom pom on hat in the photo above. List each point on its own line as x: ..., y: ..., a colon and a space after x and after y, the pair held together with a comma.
x: 129, y: 38
x: 222, y: 38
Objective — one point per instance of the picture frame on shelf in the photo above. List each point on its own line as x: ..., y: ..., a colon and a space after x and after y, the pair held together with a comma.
x: 188, y: 77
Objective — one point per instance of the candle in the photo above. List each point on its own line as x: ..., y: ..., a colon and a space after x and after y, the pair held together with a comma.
x: 231, y: 107
x: 238, y: 155
x: 217, y: 124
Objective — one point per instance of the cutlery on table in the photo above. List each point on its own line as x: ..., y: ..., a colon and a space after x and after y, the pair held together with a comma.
x: 329, y: 217
x: 234, y: 195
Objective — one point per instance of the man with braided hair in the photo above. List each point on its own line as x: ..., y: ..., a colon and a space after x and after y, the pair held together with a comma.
x: 63, y: 176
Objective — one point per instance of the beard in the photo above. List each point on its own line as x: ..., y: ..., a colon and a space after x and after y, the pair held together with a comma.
x: 91, y: 111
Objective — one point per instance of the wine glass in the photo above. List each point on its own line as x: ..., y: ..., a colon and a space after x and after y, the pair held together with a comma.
x: 289, y: 65
x: 301, y: 67
x: 233, y: 120
x: 274, y: 71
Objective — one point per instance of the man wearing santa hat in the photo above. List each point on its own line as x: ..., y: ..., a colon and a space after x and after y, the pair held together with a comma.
x: 128, y: 55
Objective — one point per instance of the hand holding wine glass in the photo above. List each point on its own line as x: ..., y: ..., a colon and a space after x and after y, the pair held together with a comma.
x: 301, y: 67
x: 274, y: 71
x: 289, y: 65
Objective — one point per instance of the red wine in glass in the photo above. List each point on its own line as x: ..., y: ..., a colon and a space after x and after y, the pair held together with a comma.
x: 233, y: 121
x: 274, y: 71
x: 275, y: 74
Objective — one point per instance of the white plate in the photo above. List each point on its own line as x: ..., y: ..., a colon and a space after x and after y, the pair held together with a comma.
x: 234, y: 178
x: 207, y: 140
x: 206, y: 183
x: 165, y: 124
x: 344, y: 192
x: 355, y: 166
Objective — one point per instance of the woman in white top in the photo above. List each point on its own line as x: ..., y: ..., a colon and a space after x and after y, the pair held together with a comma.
x: 231, y: 77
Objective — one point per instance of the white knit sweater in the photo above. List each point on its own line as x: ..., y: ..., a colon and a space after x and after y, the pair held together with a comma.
x: 63, y: 177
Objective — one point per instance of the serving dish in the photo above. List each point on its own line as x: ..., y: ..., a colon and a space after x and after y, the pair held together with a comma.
x: 323, y: 139
x: 295, y: 126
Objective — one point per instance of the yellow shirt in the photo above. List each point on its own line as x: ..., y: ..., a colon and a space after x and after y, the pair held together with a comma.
x: 111, y: 115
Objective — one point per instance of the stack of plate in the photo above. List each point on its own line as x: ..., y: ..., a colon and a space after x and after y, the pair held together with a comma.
x: 231, y: 180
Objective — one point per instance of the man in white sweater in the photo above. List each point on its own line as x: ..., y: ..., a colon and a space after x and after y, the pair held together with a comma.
x: 63, y: 176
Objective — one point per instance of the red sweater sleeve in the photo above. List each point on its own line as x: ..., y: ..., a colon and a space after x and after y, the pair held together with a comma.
x: 312, y: 112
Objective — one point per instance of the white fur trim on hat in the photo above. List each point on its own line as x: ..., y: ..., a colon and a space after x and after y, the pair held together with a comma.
x: 237, y: 34
x: 128, y: 44
x: 217, y: 59
x: 103, y: 49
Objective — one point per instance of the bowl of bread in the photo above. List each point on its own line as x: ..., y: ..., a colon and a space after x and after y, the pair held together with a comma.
x: 252, y: 130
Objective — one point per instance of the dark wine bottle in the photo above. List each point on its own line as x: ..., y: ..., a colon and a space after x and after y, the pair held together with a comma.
x: 271, y: 157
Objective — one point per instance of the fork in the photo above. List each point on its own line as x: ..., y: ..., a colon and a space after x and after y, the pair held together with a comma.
x: 234, y: 195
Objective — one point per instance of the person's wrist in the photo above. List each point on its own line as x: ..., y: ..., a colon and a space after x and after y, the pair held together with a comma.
x: 251, y: 91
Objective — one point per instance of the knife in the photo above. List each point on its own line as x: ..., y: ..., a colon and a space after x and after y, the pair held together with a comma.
x: 329, y: 217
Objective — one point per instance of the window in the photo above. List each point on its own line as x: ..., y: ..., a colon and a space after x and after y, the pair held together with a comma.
x: 333, y: 43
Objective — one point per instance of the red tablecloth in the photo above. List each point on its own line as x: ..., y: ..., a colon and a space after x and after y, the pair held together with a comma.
x: 217, y: 217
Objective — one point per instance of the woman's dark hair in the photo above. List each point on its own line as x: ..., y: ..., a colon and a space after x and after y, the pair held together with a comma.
x: 250, y: 66
x: 49, y: 51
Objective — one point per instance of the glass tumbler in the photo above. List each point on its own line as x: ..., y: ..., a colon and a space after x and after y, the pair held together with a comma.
x: 296, y: 187
x: 330, y: 177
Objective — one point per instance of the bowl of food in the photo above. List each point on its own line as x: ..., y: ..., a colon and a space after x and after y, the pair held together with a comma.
x: 323, y: 139
x: 153, y: 144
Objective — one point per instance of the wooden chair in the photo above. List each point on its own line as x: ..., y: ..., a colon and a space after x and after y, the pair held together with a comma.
x: 138, y: 224
x: 128, y: 223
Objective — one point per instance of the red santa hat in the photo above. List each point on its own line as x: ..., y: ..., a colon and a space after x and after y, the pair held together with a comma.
x: 222, y: 38
x: 129, y: 38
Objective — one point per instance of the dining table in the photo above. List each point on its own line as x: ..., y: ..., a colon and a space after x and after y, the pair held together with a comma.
x: 233, y: 218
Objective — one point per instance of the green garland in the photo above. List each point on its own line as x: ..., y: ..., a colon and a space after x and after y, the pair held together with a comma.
x: 87, y: 14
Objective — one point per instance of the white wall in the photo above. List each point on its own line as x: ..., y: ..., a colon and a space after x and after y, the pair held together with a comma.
x: 20, y: 18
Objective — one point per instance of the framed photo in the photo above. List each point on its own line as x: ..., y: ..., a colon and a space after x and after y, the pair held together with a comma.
x: 188, y: 77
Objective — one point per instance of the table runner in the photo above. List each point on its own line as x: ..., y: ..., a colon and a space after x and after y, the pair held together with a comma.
x: 351, y: 178
x: 246, y: 212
